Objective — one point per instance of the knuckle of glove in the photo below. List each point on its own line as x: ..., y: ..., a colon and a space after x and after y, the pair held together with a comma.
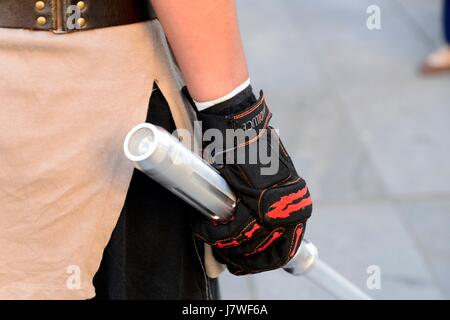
x: 273, y: 252
x: 285, y: 204
x: 228, y: 233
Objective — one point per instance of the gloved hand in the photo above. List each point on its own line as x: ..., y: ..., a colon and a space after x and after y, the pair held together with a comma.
x: 269, y: 222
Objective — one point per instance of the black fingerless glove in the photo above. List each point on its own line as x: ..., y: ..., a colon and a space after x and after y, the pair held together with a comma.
x: 268, y: 224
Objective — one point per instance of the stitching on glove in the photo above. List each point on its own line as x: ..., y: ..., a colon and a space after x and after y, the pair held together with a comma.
x: 244, y: 144
x: 201, y: 237
x: 250, y: 233
x: 246, y: 112
x: 259, y: 135
x: 243, y: 271
x: 232, y: 263
x: 233, y: 241
x: 274, y: 235
x: 231, y: 244
x: 283, y: 149
x: 297, y: 234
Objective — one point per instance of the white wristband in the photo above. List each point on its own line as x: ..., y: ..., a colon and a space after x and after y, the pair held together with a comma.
x: 206, y: 104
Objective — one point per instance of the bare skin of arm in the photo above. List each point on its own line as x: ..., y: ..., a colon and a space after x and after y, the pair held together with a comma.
x: 205, y: 38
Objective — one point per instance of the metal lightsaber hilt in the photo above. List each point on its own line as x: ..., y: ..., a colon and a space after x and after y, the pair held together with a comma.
x: 165, y: 159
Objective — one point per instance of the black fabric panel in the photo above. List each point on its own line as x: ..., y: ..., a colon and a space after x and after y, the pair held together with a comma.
x: 151, y: 254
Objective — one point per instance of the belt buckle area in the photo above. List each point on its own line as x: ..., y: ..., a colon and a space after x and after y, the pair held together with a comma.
x: 60, y: 16
x: 61, y: 19
x: 59, y: 13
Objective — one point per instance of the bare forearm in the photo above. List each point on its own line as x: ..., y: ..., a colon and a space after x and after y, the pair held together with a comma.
x: 204, y: 36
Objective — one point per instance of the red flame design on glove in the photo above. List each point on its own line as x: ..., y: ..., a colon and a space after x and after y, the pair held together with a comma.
x: 287, y: 205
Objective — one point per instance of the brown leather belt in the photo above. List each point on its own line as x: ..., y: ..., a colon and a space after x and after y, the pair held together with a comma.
x: 63, y: 16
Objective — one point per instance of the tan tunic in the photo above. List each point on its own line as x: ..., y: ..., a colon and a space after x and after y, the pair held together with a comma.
x: 66, y: 104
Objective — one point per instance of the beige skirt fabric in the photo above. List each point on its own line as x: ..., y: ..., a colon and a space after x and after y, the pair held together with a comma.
x: 66, y: 104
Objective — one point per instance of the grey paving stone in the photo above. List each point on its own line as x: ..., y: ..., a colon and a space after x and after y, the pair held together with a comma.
x: 359, y: 235
x: 237, y: 288
x: 312, y: 123
x: 279, y: 60
x: 274, y: 285
x: 427, y: 15
x: 428, y: 221
x: 407, y: 135
x: 369, y: 134
x: 350, y: 238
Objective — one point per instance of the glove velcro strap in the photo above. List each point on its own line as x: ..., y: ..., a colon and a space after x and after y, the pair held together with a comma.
x: 255, y: 117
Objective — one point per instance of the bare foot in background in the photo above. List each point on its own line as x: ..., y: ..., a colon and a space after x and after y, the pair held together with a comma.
x: 437, y: 62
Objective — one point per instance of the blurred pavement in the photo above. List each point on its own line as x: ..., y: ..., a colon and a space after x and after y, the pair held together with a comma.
x: 370, y: 135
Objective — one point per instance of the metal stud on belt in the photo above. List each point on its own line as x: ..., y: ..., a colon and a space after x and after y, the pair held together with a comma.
x: 56, y: 12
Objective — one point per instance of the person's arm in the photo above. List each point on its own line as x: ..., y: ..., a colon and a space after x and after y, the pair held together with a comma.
x: 272, y: 208
x: 205, y: 39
